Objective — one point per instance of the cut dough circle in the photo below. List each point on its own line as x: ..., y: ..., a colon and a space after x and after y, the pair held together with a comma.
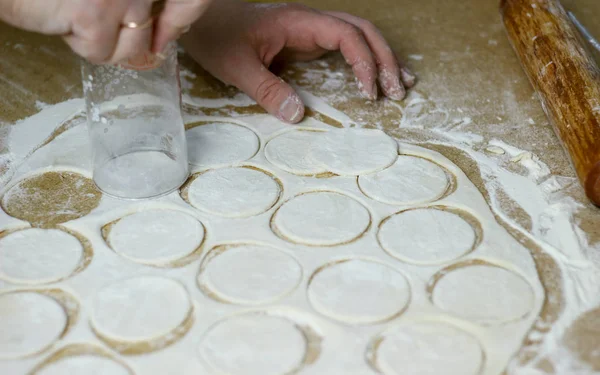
x: 254, y: 344
x: 220, y: 144
x: 262, y: 274
x: 290, y: 152
x: 51, y: 198
x: 134, y: 309
x: 85, y: 364
x: 354, y: 151
x: 321, y: 218
x: 39, y: 256
x: 29, y: 323
x: 428, y: 348
x: 486, y: 294
x: 156, y: 237
x: 426, y: 236
x: 234, y: 192
x: 410, y: 180
x: 358, y: 291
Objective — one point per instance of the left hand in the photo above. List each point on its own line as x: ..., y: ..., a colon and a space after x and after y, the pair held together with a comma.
x: 237, y: 42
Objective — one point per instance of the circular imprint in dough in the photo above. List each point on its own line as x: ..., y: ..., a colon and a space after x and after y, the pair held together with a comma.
x: 482, y: 292
x: 358, y: 291
x: 220, y: 144
x: 290, y: 152
x: 254, y: 344
x: 140, y: 310
x: 321, y: 218
x: 410, y: 180
x: 51, y: 198
x: 427, y: 236
x: 30, y: 323
x: 84, y: 364
x: 427, y: 348
x: 39, y: 256
x: 155, y: 237
x: 249, y: 274
x: 234, y: 192
x: 354, y: 151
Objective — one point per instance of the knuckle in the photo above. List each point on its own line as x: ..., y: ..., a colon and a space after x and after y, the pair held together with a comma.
x: 268, y: 90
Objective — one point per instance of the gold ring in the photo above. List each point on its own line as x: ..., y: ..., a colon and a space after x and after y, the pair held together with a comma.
x: 135, y: 25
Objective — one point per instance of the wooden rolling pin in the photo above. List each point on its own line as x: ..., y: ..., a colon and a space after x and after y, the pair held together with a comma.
x: 566, y: 78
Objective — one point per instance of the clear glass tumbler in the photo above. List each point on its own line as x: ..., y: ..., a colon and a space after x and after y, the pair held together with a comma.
x: 136, y: 127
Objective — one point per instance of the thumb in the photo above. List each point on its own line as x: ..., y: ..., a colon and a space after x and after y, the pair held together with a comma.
x: 269, y: 91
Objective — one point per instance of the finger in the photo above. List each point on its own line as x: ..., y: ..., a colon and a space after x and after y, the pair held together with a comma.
x: 332, y: 33
x: 134, y: 42
x: 175, y: 19
x: 393, y: 77
x: 269, y: 91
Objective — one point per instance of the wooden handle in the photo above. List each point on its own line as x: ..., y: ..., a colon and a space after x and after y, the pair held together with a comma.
x: 566, y: 78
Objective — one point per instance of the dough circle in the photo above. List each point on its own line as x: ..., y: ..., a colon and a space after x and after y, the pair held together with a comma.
x: 426, y: 236
x: 290, y: 152
x: 156, y: 237
x: 29, y: 323
x: 354, y: 151
x: 254, y: 344
x: 321, y: 218
x: 220, y: 144
x: 51, y: 198
x: 359, y: 291
x: 428, y: 348
x: 485, y: 294
x: 250, y: 274
x: 39, y: 256
x: 234, y: 192
x: 410, y: 180
x: 85, y: 364
x: 140, y: 308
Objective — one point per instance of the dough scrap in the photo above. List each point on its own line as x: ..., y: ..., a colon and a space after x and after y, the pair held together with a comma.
x: 156, y: 236
x: 234, y: 192
x: 484, y: 293
x: 354, y: 151
x: 321, y: 219
x: 29, y: 323
x: 290, y: 152
x: 254, y: 344
x: 426, y: 236
x: 410, y: 180
x: 359, y: 291
x: 262, y: 274
x: 220, y: 144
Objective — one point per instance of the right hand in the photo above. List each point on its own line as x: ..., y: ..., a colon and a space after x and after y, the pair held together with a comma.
x: 95, y: 28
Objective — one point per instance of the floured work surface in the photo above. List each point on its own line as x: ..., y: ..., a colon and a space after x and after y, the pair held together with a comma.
x: 472, y: 105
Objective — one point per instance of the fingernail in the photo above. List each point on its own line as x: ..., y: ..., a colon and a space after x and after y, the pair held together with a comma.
x: 292, y: 109
x: 368, y: 93
x: 408, y: 77
x: 391, y: 85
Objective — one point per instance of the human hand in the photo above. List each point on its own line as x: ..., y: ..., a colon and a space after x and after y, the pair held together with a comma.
x: 237, y: 42
x: 98, y: 29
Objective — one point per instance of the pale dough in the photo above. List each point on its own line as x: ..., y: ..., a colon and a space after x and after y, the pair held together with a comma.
x: 29, y: 323
x: 140, y: 308
x: 410, y: 180
x: 354, y: 151
x: 234, y: 192
x: 359, y: 291
x: 84, y: 365
x: 262, y: 274
x: 254, y: 344
x: 39, y: 256
x: 484, y: 294
x: 220, y: 144
x: 426, y: 236
x: 290, y: 152
x: 156, y: 236
x: 322, y: 218
x: 428, y: 348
